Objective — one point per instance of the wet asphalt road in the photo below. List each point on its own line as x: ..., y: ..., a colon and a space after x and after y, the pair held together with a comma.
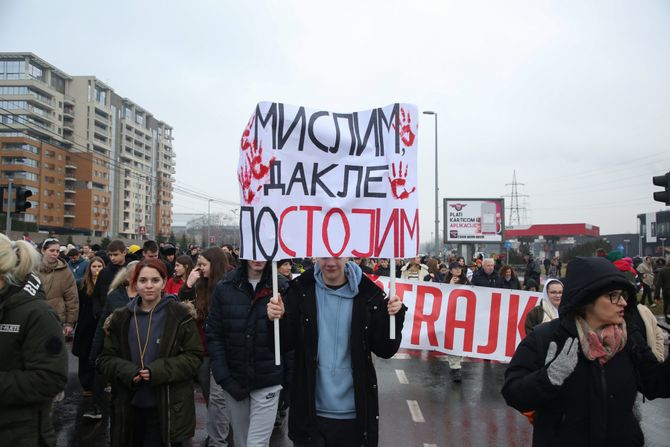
x: 419, y: 406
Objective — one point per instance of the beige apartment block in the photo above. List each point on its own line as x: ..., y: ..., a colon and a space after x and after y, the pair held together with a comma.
x: 96, y: 162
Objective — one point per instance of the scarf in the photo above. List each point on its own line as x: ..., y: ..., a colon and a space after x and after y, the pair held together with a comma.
x: 601, y: 344
x: 550, y: 311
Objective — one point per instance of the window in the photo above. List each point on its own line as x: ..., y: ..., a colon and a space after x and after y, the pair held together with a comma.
x: 139, y: 118
x: 36, y: 72
x: 20, y: 175
x: 100, y: 96
x: 127, y: 112
x: 57, y: 83
x: 12, y: 69
x: 20, y: 147
x: 20, y: 161
x: 13, y: 90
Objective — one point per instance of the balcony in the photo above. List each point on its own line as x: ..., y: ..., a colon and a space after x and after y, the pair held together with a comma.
x: 68, y: 215
x: 68, y: 100
x: 68, y: 190
x: 72, y: 167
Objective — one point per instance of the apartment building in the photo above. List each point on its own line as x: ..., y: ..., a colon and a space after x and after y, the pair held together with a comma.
x: 96, y: 162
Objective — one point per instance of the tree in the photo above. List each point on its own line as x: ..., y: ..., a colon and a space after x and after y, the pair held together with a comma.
x: 104, y: 242
x: 172, y: 239
x: 69, y: 240
x: 183, y: 243
x: 588, y: 249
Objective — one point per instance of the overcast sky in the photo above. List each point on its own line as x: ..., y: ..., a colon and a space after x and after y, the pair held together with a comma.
x: 573, y: 95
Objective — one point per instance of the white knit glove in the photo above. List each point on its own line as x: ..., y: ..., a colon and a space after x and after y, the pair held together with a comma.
x: 564, y: 363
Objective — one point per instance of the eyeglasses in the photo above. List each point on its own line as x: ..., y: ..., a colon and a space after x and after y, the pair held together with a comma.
x: 616, y: 295
x: 50, y: 240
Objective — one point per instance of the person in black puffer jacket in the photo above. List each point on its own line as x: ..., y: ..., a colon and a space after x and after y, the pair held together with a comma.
x: 581, y: 373
x: 240, y: 350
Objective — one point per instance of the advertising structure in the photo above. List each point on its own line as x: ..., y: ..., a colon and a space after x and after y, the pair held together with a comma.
x: 474, y: 220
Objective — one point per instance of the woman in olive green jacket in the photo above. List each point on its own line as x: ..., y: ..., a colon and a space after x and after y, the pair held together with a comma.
x: 151, y: 352
x: 32, y: 348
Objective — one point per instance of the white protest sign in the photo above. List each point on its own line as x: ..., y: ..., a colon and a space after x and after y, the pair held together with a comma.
x: 315, y: 183
x: 478, y: 322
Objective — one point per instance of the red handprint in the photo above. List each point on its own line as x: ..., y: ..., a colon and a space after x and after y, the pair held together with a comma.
x: 406, y: 134
x: 244, y: 177
x: 255, y: 160
x: 245, y: 143
x: 398, y: 188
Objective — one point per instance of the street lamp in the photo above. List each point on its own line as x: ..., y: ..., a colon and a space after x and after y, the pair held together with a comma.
x: 437, y: 188
x: 662, y: 239
x: 626, y: 242
x: 209, y: 222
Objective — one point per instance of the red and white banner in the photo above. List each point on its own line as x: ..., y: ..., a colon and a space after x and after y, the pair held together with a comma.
x: 468, y: 321
x: 322, y: 184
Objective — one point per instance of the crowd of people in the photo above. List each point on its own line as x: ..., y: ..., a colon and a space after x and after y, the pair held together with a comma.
x: 153, y: 322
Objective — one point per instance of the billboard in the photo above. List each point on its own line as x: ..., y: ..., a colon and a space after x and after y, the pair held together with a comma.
x: 474, y: 220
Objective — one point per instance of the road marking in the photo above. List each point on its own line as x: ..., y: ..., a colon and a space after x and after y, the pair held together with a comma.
x: 402, y: 377
x: 429, y: 445
x: 414, y: 409
x: 401, y: 356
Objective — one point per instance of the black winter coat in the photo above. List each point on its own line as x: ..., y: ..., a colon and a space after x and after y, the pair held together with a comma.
x: 86, y: 324
x: 481, y: 279
x: 594, y: 405
x: 512, y: 284
x: 101, y: 288
x: 238, y: 338
x: 369, y: 334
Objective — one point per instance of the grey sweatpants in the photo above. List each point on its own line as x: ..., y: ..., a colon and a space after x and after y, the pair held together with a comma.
x: 218, y: 415
x: 253, y: 418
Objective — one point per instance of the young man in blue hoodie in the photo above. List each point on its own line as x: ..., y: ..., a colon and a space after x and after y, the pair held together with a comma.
x: 335, y: 318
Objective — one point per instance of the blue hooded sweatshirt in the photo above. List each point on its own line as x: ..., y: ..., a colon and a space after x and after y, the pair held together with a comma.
x: 334, y: 378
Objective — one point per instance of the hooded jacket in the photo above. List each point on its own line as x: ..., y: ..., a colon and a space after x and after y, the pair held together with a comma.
x: 61, y: 291
x: 594, y: 406
x: 172, y: 371
x: 537, y: 314
x: 369, y: 334
x: 34, y: 365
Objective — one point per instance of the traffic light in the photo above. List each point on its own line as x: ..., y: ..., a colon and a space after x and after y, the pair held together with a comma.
x: 22, y: 195
x: 663, y: 181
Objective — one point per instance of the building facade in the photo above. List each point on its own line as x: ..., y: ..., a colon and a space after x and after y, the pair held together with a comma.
x: 654, y: 233
x: 96, y: 162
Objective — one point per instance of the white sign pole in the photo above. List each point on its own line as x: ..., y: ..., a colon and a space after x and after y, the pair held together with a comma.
x: 275, y: 293
x: 391, y: 295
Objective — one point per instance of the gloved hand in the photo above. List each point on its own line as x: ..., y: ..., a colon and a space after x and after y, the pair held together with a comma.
x: 564, y: 363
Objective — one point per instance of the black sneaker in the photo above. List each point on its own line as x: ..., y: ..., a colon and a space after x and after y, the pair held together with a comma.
x: 456, y: 375
x: 93, y: 412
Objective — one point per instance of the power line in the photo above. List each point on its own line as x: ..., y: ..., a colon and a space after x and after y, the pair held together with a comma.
x: 117, y: 166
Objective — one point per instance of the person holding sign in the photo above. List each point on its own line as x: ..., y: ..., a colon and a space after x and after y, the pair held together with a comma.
x: 337, y: 316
